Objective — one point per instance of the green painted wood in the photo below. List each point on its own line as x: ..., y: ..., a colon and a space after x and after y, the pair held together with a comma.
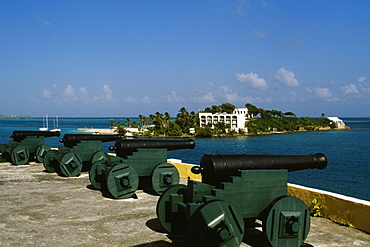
x: 70, y: 164
x: 41, y: 152
x: 122, y: 181
x: 171, y: 197
x: 216, y: 223
x: 163, y: 176
x: 287, y: 222
x: 20, y: 155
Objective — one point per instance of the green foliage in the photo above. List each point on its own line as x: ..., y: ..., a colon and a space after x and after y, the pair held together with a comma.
x: 268, y: 121
x: 225, y: 107
x: 252, y: 110
x: 186, y: 120
x: 316, y: 208
x: 121, y: 130
x: 204, y: 131
x: 271, y: 120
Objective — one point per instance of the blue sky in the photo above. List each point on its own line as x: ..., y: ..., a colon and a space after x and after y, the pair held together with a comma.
x: 125, y: 58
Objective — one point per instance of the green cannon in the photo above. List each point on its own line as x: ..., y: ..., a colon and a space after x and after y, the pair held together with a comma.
x: 237, y: 190
x: 27, y: 145
x: 137, y: 164
x: 77, y: 154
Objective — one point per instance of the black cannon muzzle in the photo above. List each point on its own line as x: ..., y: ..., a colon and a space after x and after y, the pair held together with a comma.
x: 70, y: 140
x: 216, y: 168
x: 19, y: 135
x: 126, y: 147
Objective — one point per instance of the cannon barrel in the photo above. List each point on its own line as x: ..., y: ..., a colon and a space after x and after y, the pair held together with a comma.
x: 72, y: 139
x: 19, y: 135
x: 216, y: 167
x: 126, y: 147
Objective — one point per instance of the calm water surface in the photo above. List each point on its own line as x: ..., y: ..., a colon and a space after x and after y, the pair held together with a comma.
x: 348, y: 171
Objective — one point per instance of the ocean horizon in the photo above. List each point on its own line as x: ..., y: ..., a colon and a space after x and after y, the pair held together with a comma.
x: 347, y: 173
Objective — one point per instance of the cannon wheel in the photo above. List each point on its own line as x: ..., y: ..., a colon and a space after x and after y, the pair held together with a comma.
x: 49, y: 160
x: 97, y: 171
x: 216, y: 223
x: 122, y: 181
x: 20, y: 155
x: 41, y: 152
x: 70, y: 164
x: 98, y: 156
x: 287, y: 222
x: 163, y: 176
x: 162, y: 210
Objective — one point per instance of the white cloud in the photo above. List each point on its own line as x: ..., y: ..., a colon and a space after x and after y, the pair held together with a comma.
x: 252, y: 80
x: 205, y: 98
x: 47, y: 94
x: 44, y: 22
x: 363, y: 85
x: 84, y: 95
x: 258, y: 34
x: 172, y: 98
x: 146, y: 100
x: 107, y: 94
x: 130, y: 100
x: 204, y: 93
x: 293, y: 97
x: 69, y: 92
x: 322, y: 93
x: 350, y: 89
x: 286, y: 77
x: 242, y: 6
x: 361, y: 79
x: 232, y: 97
x: 209, y: 93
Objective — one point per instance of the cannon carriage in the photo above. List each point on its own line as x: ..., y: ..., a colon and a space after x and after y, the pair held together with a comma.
x: 27, y: 145
x: 79, y: 152
x: 237, y: 190
x: 138, y: 163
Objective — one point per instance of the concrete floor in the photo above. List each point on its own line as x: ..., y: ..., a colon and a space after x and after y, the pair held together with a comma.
x: 44, y: 209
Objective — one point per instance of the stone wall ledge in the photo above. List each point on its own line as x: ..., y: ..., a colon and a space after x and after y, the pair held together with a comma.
x: 341, y: 209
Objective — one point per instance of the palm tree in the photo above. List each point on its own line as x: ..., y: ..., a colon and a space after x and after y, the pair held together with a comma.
x: 128, y: 122
x: 143, y: 120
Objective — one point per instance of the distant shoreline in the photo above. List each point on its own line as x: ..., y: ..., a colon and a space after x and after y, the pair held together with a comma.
x: 113, y: 131
x: 97, y: 131
x: 14, y: 116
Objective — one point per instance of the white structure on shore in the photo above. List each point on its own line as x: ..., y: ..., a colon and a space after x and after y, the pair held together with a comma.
x: 236, y: 120
x: 339, y: 122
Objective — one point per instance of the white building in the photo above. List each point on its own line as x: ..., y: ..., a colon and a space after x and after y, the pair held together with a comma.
x: 236, y: 120
x: 339, y: 122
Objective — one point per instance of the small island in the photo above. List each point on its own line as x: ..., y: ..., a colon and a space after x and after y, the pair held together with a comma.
x: 220, y: 121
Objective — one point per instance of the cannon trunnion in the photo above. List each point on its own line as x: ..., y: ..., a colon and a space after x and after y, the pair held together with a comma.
x: 137, y: 164
x: 26, y: 145
x: 79, y: 152
x: 235, y: 191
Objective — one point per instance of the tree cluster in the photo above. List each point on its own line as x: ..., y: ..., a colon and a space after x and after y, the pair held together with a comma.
x: 223, y: 108
x: 273, y: 120
x: 262, y: 121
x: 159, y: 124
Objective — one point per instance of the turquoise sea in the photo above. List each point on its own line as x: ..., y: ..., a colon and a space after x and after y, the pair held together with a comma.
x: 347, y: 173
